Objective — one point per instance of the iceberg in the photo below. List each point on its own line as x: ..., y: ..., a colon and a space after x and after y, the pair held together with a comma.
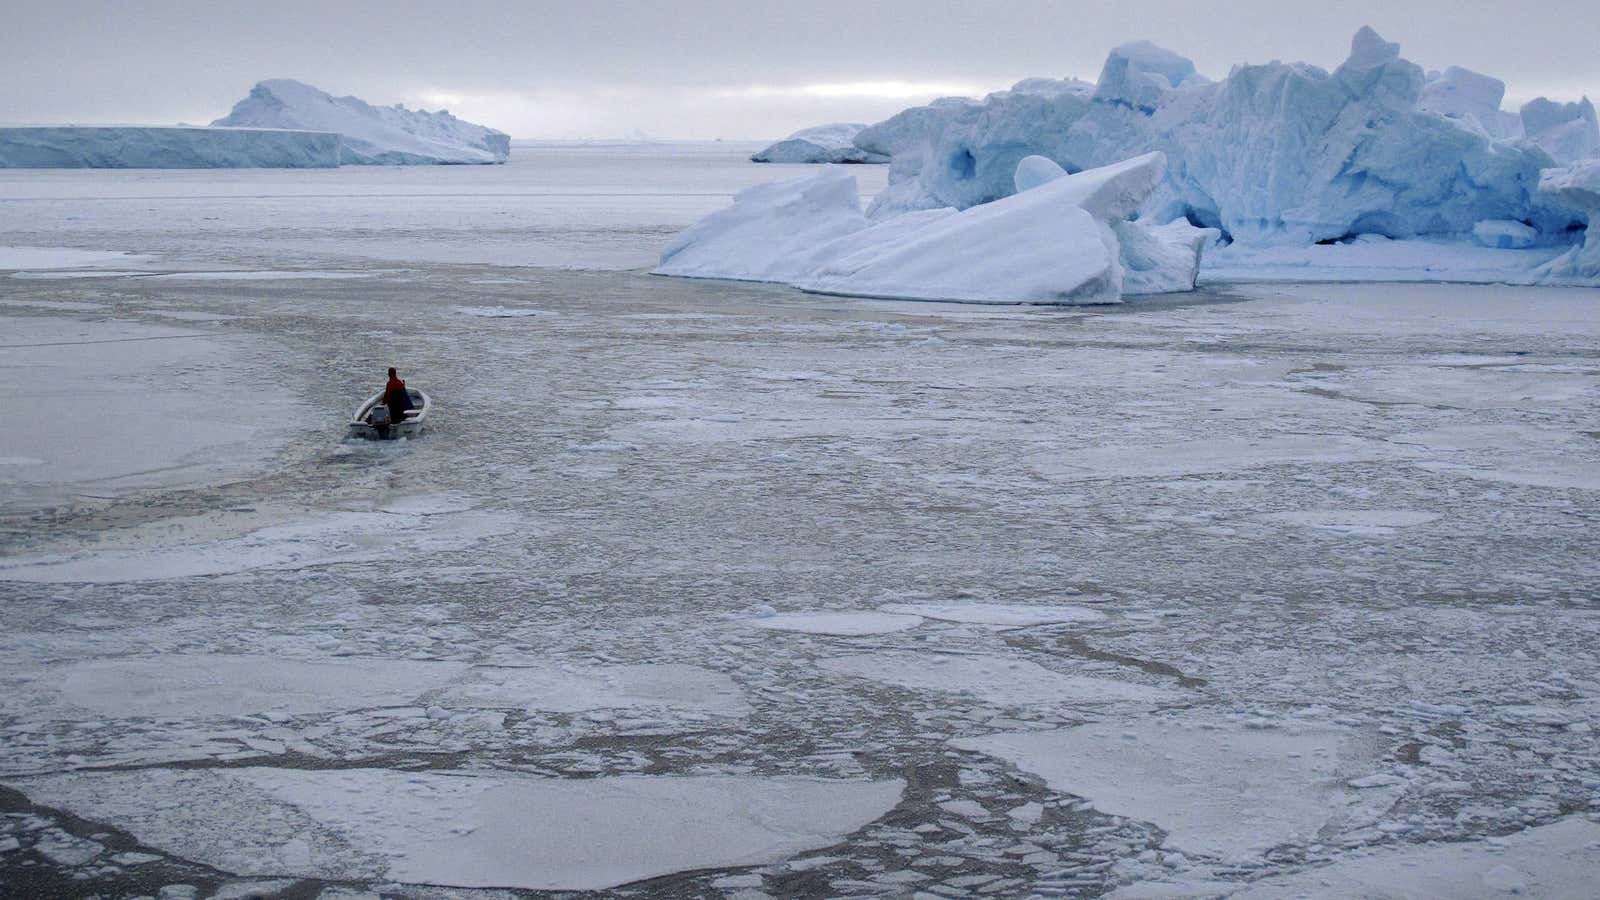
x: 1505, y: 234
x: 1577, y: 187
x: 1065, y: 240
x: 822, y: 144
x: 1273, y: 154
x: 160, y: 147
x: 372, y: 135
x: 1566, y: 131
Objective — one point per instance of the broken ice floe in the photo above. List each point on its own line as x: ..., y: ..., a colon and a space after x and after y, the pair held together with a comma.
x: 468, y: 829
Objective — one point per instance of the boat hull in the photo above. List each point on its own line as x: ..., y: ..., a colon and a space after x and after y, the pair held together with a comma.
x: 414, y: 423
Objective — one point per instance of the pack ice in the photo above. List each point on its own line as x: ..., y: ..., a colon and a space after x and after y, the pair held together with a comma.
x: 1066, y: 239
x: 372, y: 135
x: 832, y: 143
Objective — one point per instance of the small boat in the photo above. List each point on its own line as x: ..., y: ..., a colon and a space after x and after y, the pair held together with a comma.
x: 371, y: 420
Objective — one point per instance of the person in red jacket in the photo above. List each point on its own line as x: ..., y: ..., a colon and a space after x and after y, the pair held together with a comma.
x: 396, y: 398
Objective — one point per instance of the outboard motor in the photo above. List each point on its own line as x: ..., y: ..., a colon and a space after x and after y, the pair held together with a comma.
x: 379, y: 420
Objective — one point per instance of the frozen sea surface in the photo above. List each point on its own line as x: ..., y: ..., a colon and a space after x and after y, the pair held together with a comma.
x: 553, y: 205
x: 713, y: 589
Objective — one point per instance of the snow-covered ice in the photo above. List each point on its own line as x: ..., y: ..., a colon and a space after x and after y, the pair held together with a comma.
x: 832, y: 143
x: 369, y: 135
x: 1065, y: 241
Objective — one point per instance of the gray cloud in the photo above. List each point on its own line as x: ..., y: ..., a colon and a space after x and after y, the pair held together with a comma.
x: 725, y: 68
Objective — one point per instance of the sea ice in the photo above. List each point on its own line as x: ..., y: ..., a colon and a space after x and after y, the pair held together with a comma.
x: 147, y: 407
x: 316, y: 540
x: 468, y: 829
x: 842, y: 624
x: 1556, y: 860
x: 1005, y: 682
x: 578, y: 689
x: 50, y: 258
x: 832, y: 143
x: 1220, y: 790
x: 205, y: 685
x: 1005, y: 614
x: 369, y: 135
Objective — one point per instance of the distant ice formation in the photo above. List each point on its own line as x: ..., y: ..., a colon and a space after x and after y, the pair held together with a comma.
x: 372, y: 135
x: 1066, y: 240
x: 159, y: 147
x: 1375, y: 171
x: 822, y: 144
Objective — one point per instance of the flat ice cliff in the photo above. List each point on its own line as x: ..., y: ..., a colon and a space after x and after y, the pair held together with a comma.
x: 372, y: 135
x: 1067, y: 239
x: 833, y: 143
x: 1273, y: 154
x: 159, y: 147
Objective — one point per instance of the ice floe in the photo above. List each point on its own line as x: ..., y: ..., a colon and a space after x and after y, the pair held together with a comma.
x: 577, y: 689
x: 315, y: 540
x: 204, y: 685
x: 843, y: 624
x: 62, y: 258
x: 1006, y: 614
x: 1223, y: 790
x: 498, y: 312
x: 468, y: 829
x: 1355, y: 521
x: 1556, y: 860
x: 992, y: 679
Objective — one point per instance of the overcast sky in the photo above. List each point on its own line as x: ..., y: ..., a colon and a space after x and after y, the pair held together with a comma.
x: 714, y: 68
